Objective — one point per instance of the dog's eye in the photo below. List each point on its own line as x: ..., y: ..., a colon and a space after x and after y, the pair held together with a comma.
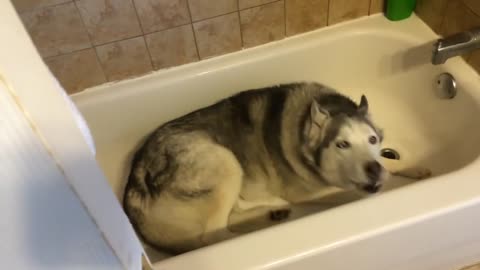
x: 372, y: 140
x: 343, y: 144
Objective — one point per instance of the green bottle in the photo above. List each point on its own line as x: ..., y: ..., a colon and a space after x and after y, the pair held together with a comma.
x: 399, y: 9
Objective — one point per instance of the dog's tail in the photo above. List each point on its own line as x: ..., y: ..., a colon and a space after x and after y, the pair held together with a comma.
x: 136, y: 178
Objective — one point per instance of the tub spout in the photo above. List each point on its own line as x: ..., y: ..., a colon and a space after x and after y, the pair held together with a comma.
x: 456, y: 45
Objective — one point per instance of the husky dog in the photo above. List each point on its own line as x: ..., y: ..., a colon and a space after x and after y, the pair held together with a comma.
x: 267, y: 147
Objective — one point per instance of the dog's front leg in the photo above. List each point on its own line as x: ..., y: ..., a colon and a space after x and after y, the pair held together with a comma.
x: 267, y: 201
x: 251, y: 215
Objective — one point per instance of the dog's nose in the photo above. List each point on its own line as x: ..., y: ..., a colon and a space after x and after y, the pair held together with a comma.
x: 373, y: 169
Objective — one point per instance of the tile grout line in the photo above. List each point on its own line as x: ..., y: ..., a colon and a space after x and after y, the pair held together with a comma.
x: 44, y: 7
x: 137, y: 16
x: 254, y: 6
x: 231, y: 12
x: 193, y: 30
x: 285, y: 17
x: 48, y: 58
x: 214, y: 17
x: 470, y: 9
x: 144, y: 36
x: 115, y: 41
x: 328, y: 13
x: 240, y: 25
x: 91, y: 40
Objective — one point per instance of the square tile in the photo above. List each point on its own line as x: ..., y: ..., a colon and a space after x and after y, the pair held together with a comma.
x: 458, y: 18
x: 172, y: 47
x: 432, y: 12
x: 219, y: 35
x: 344, y: 10
x: 77, y: 71
x: 27, y: 5
x: 109, y: 20
x: 263, y: 24
x: 56, y: 30
x: 124, y: 59
x: 243, y: 4
x: 156, y: 15
x: 377, y: 6
x: 203, y: 9
x: 305, y: 15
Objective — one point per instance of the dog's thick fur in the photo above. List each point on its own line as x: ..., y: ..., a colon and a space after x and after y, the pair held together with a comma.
x: 266, y: 147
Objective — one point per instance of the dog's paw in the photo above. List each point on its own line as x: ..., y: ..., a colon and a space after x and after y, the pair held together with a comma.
x: 423, y: 173
x: 416, y: 173
x: 280, y: 214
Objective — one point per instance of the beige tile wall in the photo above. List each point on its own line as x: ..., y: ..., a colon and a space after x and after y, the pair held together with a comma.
x: 89, y: 42
x: 447, y: 17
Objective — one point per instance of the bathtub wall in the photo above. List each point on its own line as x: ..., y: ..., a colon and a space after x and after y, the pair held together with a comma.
x: 89, y: 42
x: 447, y: 17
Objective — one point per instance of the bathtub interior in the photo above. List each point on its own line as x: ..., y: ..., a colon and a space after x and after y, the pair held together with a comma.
x: 391, y: 68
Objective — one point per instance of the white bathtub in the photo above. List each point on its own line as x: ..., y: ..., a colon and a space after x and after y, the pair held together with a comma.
x: 433, y: 224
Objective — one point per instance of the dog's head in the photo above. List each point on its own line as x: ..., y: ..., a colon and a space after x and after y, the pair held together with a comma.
x: 343, y: 147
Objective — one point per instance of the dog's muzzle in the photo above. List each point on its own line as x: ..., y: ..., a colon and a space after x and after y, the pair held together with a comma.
x: 374, y: 172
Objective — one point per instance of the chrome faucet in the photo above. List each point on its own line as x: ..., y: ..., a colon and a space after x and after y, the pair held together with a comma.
x: 455, y: 45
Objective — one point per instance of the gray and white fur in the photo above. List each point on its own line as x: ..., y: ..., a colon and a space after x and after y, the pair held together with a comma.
x: 270, y: 147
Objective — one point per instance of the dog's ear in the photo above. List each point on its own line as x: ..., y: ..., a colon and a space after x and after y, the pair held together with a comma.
x: 363, y: 107
x: 315, y: 122
x: 381, y: 134
x: 317, y: 115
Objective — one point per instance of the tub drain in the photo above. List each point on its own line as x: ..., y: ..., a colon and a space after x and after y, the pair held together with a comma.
x: 390, y: 153
x: 446, y: 86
